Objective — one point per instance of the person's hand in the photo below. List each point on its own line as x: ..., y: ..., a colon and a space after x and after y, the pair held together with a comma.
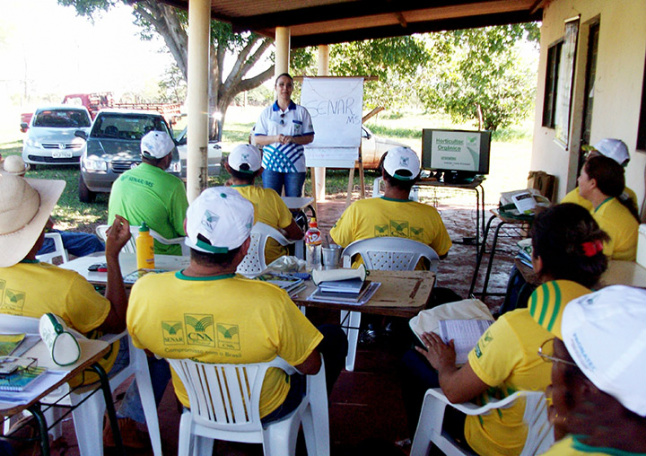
x: 437, y: 353
x: 117, y: 236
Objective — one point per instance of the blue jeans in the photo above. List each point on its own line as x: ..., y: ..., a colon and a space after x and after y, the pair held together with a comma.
x: 131, y: 406
x: 293, y: 182
x: 77, y: 244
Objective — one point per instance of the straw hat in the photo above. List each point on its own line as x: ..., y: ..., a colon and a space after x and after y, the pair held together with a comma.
x: 25, y: 206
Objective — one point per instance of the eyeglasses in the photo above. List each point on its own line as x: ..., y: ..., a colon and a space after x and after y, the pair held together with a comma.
x: 11, y: 367
x: 546, y: 352
x: 282, y: 119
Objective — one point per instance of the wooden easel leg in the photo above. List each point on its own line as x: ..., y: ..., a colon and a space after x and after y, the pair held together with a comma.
x: 348, y: 199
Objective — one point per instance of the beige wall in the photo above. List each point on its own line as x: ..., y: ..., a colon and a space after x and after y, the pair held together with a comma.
x: 618, y: 85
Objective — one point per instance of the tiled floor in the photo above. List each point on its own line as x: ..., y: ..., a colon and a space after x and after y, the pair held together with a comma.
x: 366, y: 410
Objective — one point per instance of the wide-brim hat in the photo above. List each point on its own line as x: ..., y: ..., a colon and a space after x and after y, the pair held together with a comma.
x: 25, y: 207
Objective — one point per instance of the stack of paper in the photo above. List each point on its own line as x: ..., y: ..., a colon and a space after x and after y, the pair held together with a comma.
x: 342, y: 286
x: 290, y: 283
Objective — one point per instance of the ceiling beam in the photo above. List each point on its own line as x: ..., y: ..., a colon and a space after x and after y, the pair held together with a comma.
x: 417, y: 27
x: 336, y: 11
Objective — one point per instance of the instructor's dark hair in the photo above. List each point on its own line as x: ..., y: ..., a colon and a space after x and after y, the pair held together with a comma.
x: 287, y: 75
x: 569, y: 242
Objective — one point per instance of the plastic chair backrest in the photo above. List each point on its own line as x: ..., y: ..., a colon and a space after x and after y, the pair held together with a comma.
x: 59, y: 249
x: 130, y: 247
x: 225, y: 401
x: 254, y: 262
x: 429, y: 428
x: 225, y: 396
x: 391, y: 253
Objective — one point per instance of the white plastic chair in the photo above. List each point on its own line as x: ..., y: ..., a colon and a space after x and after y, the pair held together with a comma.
x: 376, y: 190
x: 131, y: 246
x: 384, y: 254
x: 225, y: 400
x: 59, y: 249
x: 429, y: 429
x: 254, y: 262
x: 88, y: 418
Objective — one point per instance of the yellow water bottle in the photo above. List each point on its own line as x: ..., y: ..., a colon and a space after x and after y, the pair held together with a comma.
x: 145, y: 248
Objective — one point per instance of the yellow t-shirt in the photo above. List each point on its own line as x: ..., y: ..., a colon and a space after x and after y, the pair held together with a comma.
x: 270, y: 209
x: 224, y: 319
x: 32, y: 289
x: 377, y: 217
x: 576, y: 198
x: 506, y: 358
x: 621, y: 226
x: 572, y: 446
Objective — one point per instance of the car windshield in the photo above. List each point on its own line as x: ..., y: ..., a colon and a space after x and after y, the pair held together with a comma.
x: 62, y: 118
x: 130, y: 126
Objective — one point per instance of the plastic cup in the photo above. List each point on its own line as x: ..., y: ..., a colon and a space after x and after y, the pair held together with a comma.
x: 331, y: 256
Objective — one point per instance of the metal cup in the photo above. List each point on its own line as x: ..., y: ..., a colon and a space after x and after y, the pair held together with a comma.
x: 331, y: 256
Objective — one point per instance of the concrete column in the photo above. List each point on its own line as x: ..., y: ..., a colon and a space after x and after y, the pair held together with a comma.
x: 323, y: 61
x: 283, y: 44
x: 197, y: 100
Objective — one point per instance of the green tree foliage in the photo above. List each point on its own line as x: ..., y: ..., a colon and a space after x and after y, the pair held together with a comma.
x: 171, y: 24
x: 480, y: 75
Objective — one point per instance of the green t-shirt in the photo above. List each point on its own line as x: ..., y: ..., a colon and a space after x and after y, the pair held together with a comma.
x: 150, y: 194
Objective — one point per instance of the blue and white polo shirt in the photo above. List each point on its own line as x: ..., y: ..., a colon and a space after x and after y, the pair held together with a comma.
x: 295, y: 121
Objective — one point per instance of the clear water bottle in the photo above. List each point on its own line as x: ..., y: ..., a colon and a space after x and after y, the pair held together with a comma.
x: 313, y: 246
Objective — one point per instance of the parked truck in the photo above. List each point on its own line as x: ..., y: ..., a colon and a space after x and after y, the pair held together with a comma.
x: 96, y: 101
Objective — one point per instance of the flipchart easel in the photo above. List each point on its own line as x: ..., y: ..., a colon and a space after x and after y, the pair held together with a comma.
x: 335, y: 105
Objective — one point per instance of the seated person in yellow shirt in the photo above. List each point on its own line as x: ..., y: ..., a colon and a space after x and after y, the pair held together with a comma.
x: 30, y: 288
x: 245, y: 164
x: 260, y: 320
x: 601, y: 183
x: 568, y: 258
x: 394, y: 214
x: 611, y: 148
x: 598, y: 362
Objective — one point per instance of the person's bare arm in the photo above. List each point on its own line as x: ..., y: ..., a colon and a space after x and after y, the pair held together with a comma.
x: 311, y: 365
x: 115, y: 292
x: 302, y: 140
x: 293, y: 231
x: 458, y: 384
x: 263, y: 140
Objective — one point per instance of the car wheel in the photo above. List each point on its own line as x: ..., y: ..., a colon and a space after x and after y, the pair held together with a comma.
x: 85, y: 194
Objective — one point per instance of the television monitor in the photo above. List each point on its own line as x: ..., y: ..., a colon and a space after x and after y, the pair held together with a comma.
x: 459, y: 155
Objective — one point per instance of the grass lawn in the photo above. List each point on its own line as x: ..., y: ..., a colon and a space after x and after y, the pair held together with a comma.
x: 510, y: 158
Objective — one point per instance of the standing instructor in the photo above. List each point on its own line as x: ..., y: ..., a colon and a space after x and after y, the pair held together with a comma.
x: 282, y: 130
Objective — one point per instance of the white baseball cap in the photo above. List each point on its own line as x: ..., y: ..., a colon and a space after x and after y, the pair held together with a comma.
x: 402, y: 159
x: 245, y: 154
x: 156, y: 144
x: 605, y: 334
x: 613, y: 148
x: 218, y: 220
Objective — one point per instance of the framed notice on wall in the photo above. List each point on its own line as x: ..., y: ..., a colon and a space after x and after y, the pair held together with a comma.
x: 335, y: 105
x: 565, y: 82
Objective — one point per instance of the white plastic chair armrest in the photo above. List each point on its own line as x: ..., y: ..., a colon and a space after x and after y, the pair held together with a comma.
x: 469, y: 408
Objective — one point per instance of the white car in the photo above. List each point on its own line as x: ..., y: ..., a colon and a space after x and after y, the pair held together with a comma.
x: 373, y: 147
x: 51, y: 138
x: 214, y: 155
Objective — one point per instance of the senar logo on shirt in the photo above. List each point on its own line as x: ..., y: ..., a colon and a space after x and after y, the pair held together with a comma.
x: 199, y: 329
x: 399, y: 228
x: 228, y: 336
x: 482, y: 343
x: 13, y: 301
x: 381, y: 230
x: 173, y: 332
